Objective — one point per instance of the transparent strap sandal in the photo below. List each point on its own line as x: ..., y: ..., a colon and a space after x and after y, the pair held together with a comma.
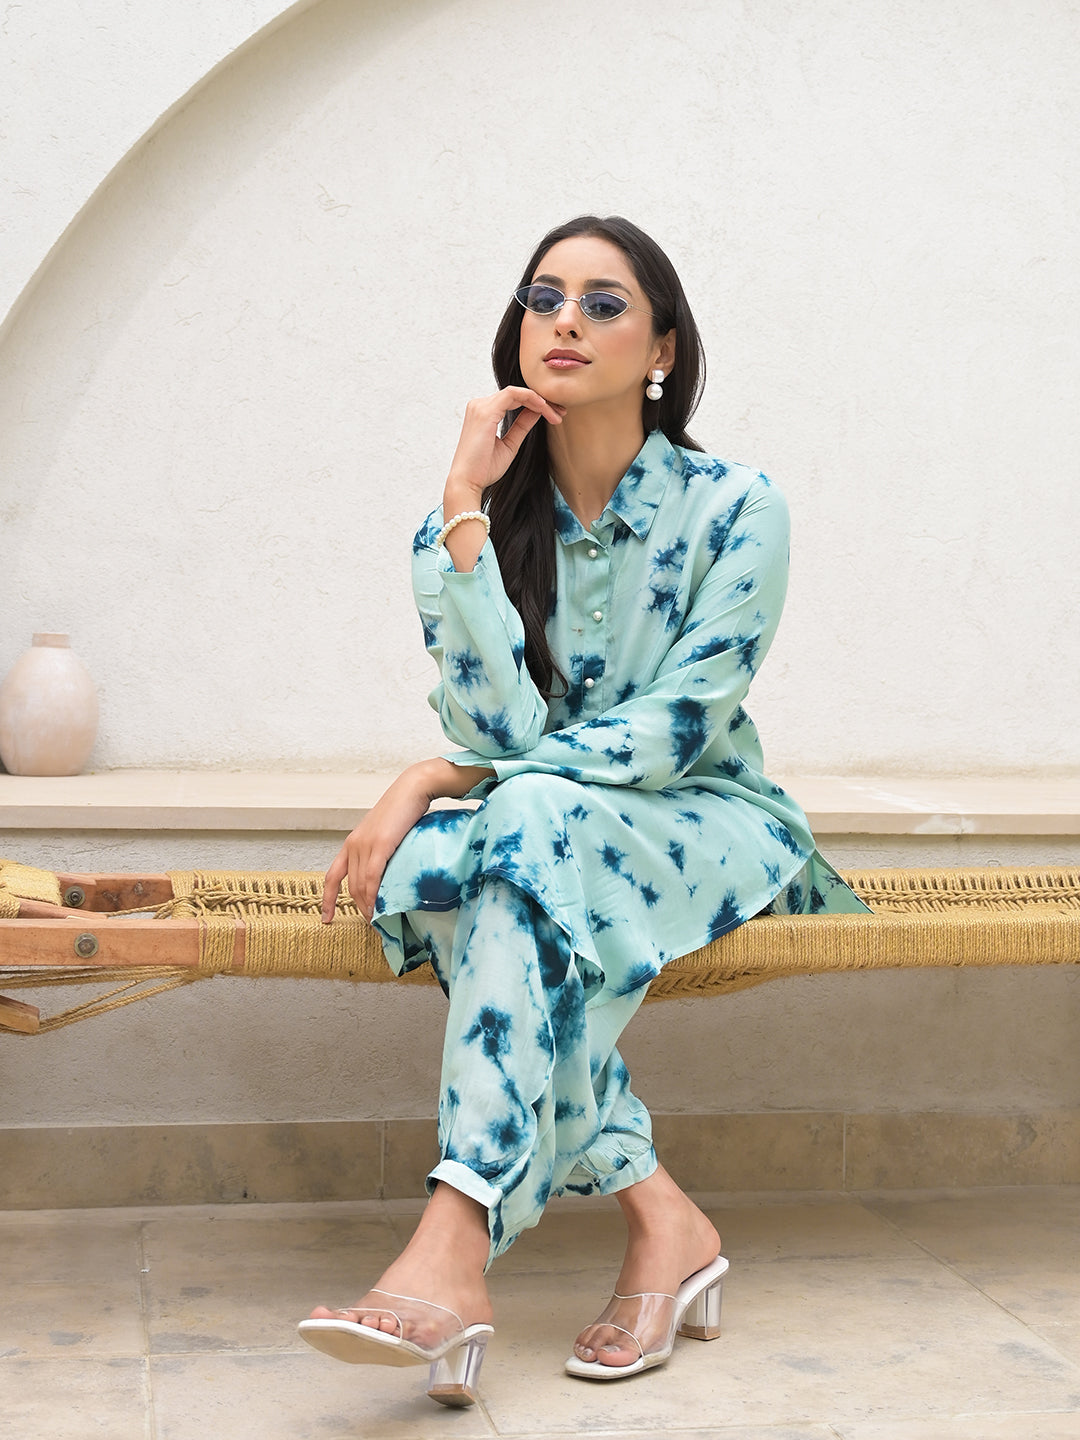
x: 424, y: 1334
x: 652, y: 1320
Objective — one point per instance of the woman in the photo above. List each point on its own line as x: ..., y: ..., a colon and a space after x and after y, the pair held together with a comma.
x: 594, y: 651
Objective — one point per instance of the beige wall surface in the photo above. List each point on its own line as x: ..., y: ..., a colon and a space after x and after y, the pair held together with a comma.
x: 233, y: 388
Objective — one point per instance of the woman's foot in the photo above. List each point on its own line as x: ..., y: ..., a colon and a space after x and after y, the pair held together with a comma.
x: 442, y: 1264
x: 669, y: 1239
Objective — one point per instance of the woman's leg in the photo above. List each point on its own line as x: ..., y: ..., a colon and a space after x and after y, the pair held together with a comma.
x: 443, y: 1263
x: 534, y: 1097
x: 668, y: 1238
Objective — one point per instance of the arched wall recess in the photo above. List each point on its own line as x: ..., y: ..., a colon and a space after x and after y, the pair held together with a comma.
x: 81, y: 90
x: 172, y: 433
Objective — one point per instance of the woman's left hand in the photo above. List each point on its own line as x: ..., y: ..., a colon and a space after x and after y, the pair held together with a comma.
x: 364, y: 856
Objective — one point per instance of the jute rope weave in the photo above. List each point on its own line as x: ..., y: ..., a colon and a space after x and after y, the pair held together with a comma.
x: 971, y: 917
x: 24, y: 882
x: 283, y: 930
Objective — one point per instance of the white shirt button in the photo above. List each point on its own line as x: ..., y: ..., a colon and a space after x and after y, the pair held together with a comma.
x: 597, y: 615
x: 589, y: 683
x: 592, y: 552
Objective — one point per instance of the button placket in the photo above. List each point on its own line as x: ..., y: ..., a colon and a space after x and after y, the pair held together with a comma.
x: 594, y: 601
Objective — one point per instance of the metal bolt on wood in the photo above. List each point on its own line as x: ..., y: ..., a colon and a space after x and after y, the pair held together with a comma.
x: 86, y: 946
x: 74, y: 896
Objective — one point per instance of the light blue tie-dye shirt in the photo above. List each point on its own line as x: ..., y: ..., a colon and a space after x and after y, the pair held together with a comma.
x: 633, y: 808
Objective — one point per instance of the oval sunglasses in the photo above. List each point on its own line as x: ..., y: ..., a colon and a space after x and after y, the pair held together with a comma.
x: 597, y: 305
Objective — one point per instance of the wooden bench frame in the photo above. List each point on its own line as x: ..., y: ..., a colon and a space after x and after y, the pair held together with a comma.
x: 976, y: 917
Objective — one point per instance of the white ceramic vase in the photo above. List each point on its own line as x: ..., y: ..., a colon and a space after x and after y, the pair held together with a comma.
x: 48, y: 711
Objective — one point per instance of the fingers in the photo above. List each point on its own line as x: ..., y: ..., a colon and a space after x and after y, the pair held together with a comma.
x: 523, y: 423
x: 519, y: 397
x: 513, y: 397
x: 358, y: 863
x: 332, y: 887
x: 360, y: 887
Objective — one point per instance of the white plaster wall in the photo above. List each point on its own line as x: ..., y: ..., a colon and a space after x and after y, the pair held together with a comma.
x: 233, y: 390
x: 81, y: 84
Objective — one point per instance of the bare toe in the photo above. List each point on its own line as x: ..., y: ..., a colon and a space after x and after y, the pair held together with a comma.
x: 599, y: 1344
x: 359, y: 1315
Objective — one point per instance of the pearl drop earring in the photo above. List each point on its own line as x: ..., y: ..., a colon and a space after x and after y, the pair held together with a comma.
x: 656, y: 389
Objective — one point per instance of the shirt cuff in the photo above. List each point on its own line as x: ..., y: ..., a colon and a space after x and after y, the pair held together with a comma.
x: 445, y: 565
x: 470, y: 757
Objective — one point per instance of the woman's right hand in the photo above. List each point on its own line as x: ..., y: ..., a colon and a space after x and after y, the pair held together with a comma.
x: 483, y: 456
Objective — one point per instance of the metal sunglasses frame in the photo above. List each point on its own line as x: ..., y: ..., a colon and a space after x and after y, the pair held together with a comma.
x: 523, y: 291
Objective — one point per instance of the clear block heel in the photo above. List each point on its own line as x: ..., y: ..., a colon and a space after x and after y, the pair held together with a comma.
x: 701, y: 1320
x: 454, y: 1379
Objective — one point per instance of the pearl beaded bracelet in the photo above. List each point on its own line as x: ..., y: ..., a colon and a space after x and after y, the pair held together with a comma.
x: 440, y: 539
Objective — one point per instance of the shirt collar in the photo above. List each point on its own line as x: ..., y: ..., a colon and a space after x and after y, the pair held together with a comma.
x: 637, y: 496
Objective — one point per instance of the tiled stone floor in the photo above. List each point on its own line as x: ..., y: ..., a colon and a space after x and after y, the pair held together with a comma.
x: 918, y: 1316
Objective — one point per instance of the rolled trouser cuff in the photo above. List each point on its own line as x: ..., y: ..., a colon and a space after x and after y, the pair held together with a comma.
x: 460, y: 1177
x: 606, y: 1167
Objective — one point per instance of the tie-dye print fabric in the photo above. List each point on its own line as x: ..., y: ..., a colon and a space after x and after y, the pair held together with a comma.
x: 535, y: 1099
x: 633, y: 810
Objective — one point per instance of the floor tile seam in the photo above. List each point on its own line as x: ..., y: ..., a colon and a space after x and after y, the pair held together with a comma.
x: 915, y: 1243
x: 848, y: 1429
x: 922, y: 1418
x: 87, y: 1357
x: 143, y: 1282
x: 150, y: 1426
x: 737, y: 1427
x: 999, y: 1305
x: 229, y: 1352
x: 481, y: 1409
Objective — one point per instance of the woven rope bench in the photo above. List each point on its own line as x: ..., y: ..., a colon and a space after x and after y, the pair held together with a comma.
x: 143, y: 934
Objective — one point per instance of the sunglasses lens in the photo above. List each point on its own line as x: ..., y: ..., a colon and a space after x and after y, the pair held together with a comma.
x: 540, y: 299
x: 602, y: 306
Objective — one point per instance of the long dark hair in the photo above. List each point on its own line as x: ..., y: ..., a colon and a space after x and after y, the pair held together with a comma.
x: 521, y: 505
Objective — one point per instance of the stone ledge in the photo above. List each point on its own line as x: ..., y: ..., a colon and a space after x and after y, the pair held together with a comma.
x: 207, y: 800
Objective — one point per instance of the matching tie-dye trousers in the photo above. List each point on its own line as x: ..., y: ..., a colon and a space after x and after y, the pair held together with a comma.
x: 534, y: 1097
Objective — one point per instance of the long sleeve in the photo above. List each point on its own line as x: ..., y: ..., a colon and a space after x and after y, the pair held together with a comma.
x: 641, y: 819
x: 683, y: 718
x: 486, y: 699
